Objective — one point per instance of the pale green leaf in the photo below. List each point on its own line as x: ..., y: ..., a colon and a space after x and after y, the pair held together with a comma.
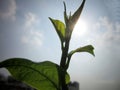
x: 59, y: 27
x: 67, y: 77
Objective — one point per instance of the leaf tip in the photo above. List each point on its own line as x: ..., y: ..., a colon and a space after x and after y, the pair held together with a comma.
x: 50, y: 18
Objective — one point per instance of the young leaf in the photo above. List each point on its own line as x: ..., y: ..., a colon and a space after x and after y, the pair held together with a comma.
x: 88, y: 48
x: 42, y: 76
x: 65, y: 14
x: 74, y: 18
x: 60, y: 28
x: 77, y: 14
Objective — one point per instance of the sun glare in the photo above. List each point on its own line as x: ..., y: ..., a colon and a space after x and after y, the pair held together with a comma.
x: 80, y: 28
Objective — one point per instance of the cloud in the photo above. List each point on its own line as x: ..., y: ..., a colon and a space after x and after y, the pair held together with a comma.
x: 31, y: 19
x: 7, y: 9
x: 101, y: 34
x: 33, y: 36
x: 114, y: 8
x: 111, y: 30
x: 106, y: 32
x: 104, y: 35
x: 98, y: 84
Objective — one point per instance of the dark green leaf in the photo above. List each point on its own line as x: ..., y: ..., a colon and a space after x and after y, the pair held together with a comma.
x: 88, y: 48
x: 60, y: 28
x: 42, y: 76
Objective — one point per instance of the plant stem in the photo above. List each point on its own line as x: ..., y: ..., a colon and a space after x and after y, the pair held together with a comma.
x: 63, y: 64
x: 64, y: 55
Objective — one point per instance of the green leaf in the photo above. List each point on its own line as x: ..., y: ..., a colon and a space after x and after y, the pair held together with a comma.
x: 42, y: 76
x: 60, y: 28
x: 88, y: 48
x: 67, y: 77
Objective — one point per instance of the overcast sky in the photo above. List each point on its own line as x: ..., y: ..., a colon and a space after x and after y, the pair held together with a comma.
x: 26, y: 31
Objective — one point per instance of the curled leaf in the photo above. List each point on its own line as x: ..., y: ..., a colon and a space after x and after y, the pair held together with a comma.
x: 88, y: 48
x: 72, y: 19
x: 77, y: 14
x: 65, y: 13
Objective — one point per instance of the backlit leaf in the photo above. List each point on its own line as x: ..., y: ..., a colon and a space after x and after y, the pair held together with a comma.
x: 71, y: 20
x: 42, y: 76
x: 65, y: 14
x: 74, y: 18
x: 88, y: 48
x: 60, y: 28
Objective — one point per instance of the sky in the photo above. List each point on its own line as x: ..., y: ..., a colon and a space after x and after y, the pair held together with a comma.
x: 26, y: 32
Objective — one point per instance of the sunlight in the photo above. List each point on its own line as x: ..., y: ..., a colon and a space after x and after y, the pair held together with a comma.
x: 80, y: 28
